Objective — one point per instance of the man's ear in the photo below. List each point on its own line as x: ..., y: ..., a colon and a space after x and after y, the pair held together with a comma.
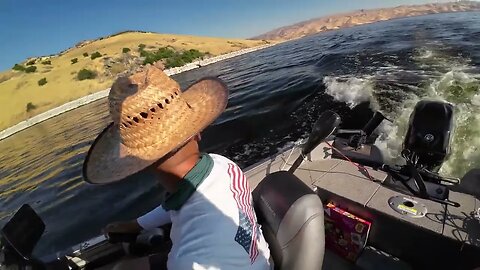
x: 198, y: 137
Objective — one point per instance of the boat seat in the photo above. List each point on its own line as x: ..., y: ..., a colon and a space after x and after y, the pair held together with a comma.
x: 291, y: 216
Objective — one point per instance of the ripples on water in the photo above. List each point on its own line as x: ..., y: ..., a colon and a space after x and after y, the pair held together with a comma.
x: 276, y: 95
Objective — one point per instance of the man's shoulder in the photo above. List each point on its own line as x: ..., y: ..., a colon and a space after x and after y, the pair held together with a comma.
x: 219, y: 159
x: 223, y: 164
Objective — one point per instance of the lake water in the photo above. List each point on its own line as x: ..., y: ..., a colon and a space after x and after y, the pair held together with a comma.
x: 276, y: 95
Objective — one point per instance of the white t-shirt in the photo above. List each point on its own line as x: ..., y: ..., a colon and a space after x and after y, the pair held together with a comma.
x: 216, y: 228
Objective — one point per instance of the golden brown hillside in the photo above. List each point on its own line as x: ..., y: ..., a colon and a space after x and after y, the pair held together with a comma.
x: 18, y: 88
x: 360, y: 17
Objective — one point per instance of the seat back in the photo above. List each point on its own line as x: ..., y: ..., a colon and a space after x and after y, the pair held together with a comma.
x: 291, y: 215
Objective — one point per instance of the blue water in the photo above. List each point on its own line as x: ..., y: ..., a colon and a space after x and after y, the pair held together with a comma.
x: 276, y: 95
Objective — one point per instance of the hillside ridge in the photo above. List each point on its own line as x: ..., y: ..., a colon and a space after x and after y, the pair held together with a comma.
x: 42, y: 83
x: 360, y: 17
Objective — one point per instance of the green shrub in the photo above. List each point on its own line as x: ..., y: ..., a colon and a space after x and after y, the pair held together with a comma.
x: 162, y: 53
x: 31, y: 62
x: 125, y: 50
x: 47, y: 62
x: 85, y: 54
x: 144, y: 53
x: 18, y: 67
x: 30, y: 69
x: 174, y: 62
x: 149, y: 59
x: 190, y: 55
x: 86, y: 74
x: 180, y: 59
x: 95, y: 55
x: 42, y: 81
x: 74, y: 60
x: 141, y: 47
x: 31, y: 106
x: 165, y: 53
x: 172, y: 58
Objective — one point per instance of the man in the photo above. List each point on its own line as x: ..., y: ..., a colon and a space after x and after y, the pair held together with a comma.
x: 156, y: 126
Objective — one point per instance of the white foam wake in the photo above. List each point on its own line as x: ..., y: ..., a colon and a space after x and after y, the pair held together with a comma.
x: 350, y: 90
x: 456, y: 86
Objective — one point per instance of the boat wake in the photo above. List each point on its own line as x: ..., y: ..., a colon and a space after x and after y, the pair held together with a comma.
x: 459, y: 86
x: 350, y: 90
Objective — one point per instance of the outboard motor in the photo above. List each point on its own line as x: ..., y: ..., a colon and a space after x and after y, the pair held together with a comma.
x: 430, y: 130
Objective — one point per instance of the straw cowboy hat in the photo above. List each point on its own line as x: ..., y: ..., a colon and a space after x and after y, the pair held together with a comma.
x: 151, y: 117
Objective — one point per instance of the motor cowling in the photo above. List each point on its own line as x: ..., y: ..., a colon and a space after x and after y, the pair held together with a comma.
x: 429, y: 133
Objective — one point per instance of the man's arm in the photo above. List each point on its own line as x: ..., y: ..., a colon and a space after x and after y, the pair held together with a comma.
x: 155, y: 218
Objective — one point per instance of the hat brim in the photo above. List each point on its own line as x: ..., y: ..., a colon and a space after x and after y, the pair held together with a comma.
x: 108, y: 160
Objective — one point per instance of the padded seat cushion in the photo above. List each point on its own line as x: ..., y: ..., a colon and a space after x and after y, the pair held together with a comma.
x: 291, y: 215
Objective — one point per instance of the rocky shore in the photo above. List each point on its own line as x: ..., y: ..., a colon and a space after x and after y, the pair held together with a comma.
x: 104, y: 93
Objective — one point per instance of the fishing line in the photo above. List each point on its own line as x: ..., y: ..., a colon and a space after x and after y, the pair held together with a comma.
x: 360, y: 167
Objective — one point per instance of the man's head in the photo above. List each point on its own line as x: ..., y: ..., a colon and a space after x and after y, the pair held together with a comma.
x: 151, y: 118
x: 173, y: 167
x: 189, y: 153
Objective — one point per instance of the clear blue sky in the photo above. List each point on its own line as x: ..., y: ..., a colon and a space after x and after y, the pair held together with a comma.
x: 34, y: 27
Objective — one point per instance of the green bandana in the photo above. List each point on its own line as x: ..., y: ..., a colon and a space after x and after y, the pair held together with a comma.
x: 189, y: 184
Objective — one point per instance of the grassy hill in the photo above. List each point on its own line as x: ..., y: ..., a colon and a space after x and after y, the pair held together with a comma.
x: 55, y: 80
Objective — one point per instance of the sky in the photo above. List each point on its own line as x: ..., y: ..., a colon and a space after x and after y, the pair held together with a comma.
x: 34, y: 27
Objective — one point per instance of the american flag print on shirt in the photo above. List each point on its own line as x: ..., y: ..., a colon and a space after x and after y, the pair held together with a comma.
x: 247, y: 232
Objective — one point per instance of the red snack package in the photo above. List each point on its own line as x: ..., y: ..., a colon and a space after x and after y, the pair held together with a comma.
x: 345, y: 233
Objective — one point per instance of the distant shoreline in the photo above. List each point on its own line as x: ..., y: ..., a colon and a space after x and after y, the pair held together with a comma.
x: 363, y: 17
x: 104, y: 93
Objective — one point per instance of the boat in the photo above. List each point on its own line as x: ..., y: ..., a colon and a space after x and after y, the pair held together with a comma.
x: 329, y: 202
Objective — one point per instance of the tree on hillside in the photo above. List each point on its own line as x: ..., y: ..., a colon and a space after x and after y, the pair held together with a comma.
x: 18, y: 67
x: 85, y: 54
x: 31, y: 62
x: 74, y: 60
x: 125, y: 50
x: 30, y: 69
x: 86, y: 74
x: 47, y: 62
x: 42, y: 81
x: 30, y: 106
x: 95, y: 55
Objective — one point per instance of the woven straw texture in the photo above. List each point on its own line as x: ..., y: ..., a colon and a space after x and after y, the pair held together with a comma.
x: 151, y: 117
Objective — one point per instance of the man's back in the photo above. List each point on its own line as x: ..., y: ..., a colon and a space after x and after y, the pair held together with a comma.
x: 217, y: 227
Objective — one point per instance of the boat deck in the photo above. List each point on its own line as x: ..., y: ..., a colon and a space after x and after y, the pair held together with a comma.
x: 334, y: 176
x: 350, y: 188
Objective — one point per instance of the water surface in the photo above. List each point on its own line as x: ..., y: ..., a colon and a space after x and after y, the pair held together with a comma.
x: 276, y: 95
